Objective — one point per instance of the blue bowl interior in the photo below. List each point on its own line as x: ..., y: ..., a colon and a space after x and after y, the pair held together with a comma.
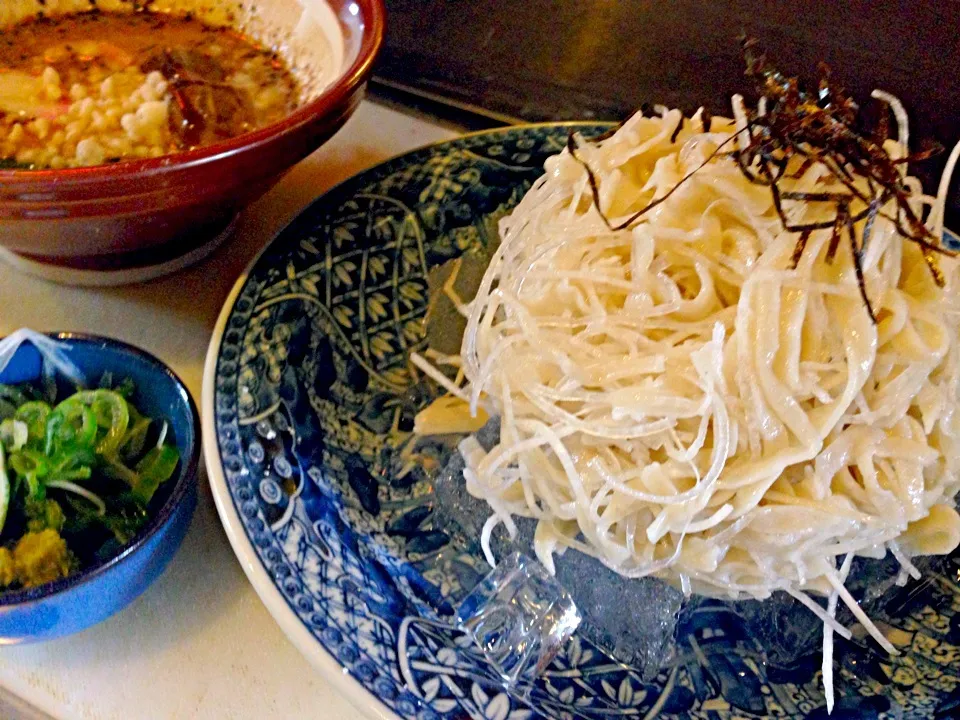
x: 159, y: 395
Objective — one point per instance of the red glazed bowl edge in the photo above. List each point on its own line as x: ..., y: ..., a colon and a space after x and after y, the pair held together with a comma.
x: 141, y: 212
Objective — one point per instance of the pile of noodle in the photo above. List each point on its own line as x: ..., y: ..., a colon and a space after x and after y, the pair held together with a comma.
x: 677, y: 400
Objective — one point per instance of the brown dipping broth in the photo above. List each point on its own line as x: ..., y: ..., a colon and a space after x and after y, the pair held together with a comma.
x: 221, y: 84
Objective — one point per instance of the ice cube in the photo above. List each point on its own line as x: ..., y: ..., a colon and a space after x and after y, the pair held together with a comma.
x: 633, y: 619
x: 520, y: 617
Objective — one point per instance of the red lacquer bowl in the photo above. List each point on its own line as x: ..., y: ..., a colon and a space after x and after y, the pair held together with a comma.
x: 126, y: 218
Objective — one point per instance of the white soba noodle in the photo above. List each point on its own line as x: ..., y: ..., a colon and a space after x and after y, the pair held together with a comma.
x: 676, y: 400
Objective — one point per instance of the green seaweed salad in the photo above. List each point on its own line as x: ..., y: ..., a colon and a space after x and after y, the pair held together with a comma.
x: 77, y: 477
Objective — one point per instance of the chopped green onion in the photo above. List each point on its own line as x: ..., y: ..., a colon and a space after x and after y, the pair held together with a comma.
x: 30, y: 462
x: 156, y: 467
x: 110, y: 412
x: 13, y: 433
x: 64, y: 471
x: 95, y: 449
x: 32, y: 466
x: 34, y: 415
x: 113, y: 468
x: 36, y: 490
x: 71, y: 426
x: 163, y: 434
x: 82, y: 492
x: 43, y: 514
x: 136, y: 437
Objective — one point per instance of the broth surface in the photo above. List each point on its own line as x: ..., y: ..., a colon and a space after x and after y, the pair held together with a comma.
x: 98, y: 87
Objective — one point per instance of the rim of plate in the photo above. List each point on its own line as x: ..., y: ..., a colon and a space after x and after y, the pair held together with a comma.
x: 315, y: 653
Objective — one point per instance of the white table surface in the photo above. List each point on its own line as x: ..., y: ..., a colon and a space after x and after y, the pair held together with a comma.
x: 198, y: 644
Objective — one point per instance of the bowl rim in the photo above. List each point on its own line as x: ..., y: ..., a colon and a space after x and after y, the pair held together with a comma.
x: 187, y: 477
x: 371, y: 40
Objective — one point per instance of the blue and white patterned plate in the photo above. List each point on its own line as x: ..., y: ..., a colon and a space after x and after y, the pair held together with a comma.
x: 307, y: 389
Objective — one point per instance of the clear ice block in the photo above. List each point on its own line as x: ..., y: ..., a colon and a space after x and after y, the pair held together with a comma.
x: 520, y: 617
x: 634, y: 620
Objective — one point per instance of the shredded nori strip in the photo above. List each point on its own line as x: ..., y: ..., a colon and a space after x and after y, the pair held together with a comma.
x: 676, y: 131
x: 572, y: 145
x: 824, y: 127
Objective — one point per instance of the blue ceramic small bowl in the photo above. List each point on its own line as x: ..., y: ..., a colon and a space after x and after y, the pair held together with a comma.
x: 97, y: 592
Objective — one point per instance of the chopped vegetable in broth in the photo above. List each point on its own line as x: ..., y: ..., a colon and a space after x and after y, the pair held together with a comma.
x: 98, y: 87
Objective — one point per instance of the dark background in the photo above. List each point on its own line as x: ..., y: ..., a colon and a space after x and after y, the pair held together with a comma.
x: 514, y: 60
